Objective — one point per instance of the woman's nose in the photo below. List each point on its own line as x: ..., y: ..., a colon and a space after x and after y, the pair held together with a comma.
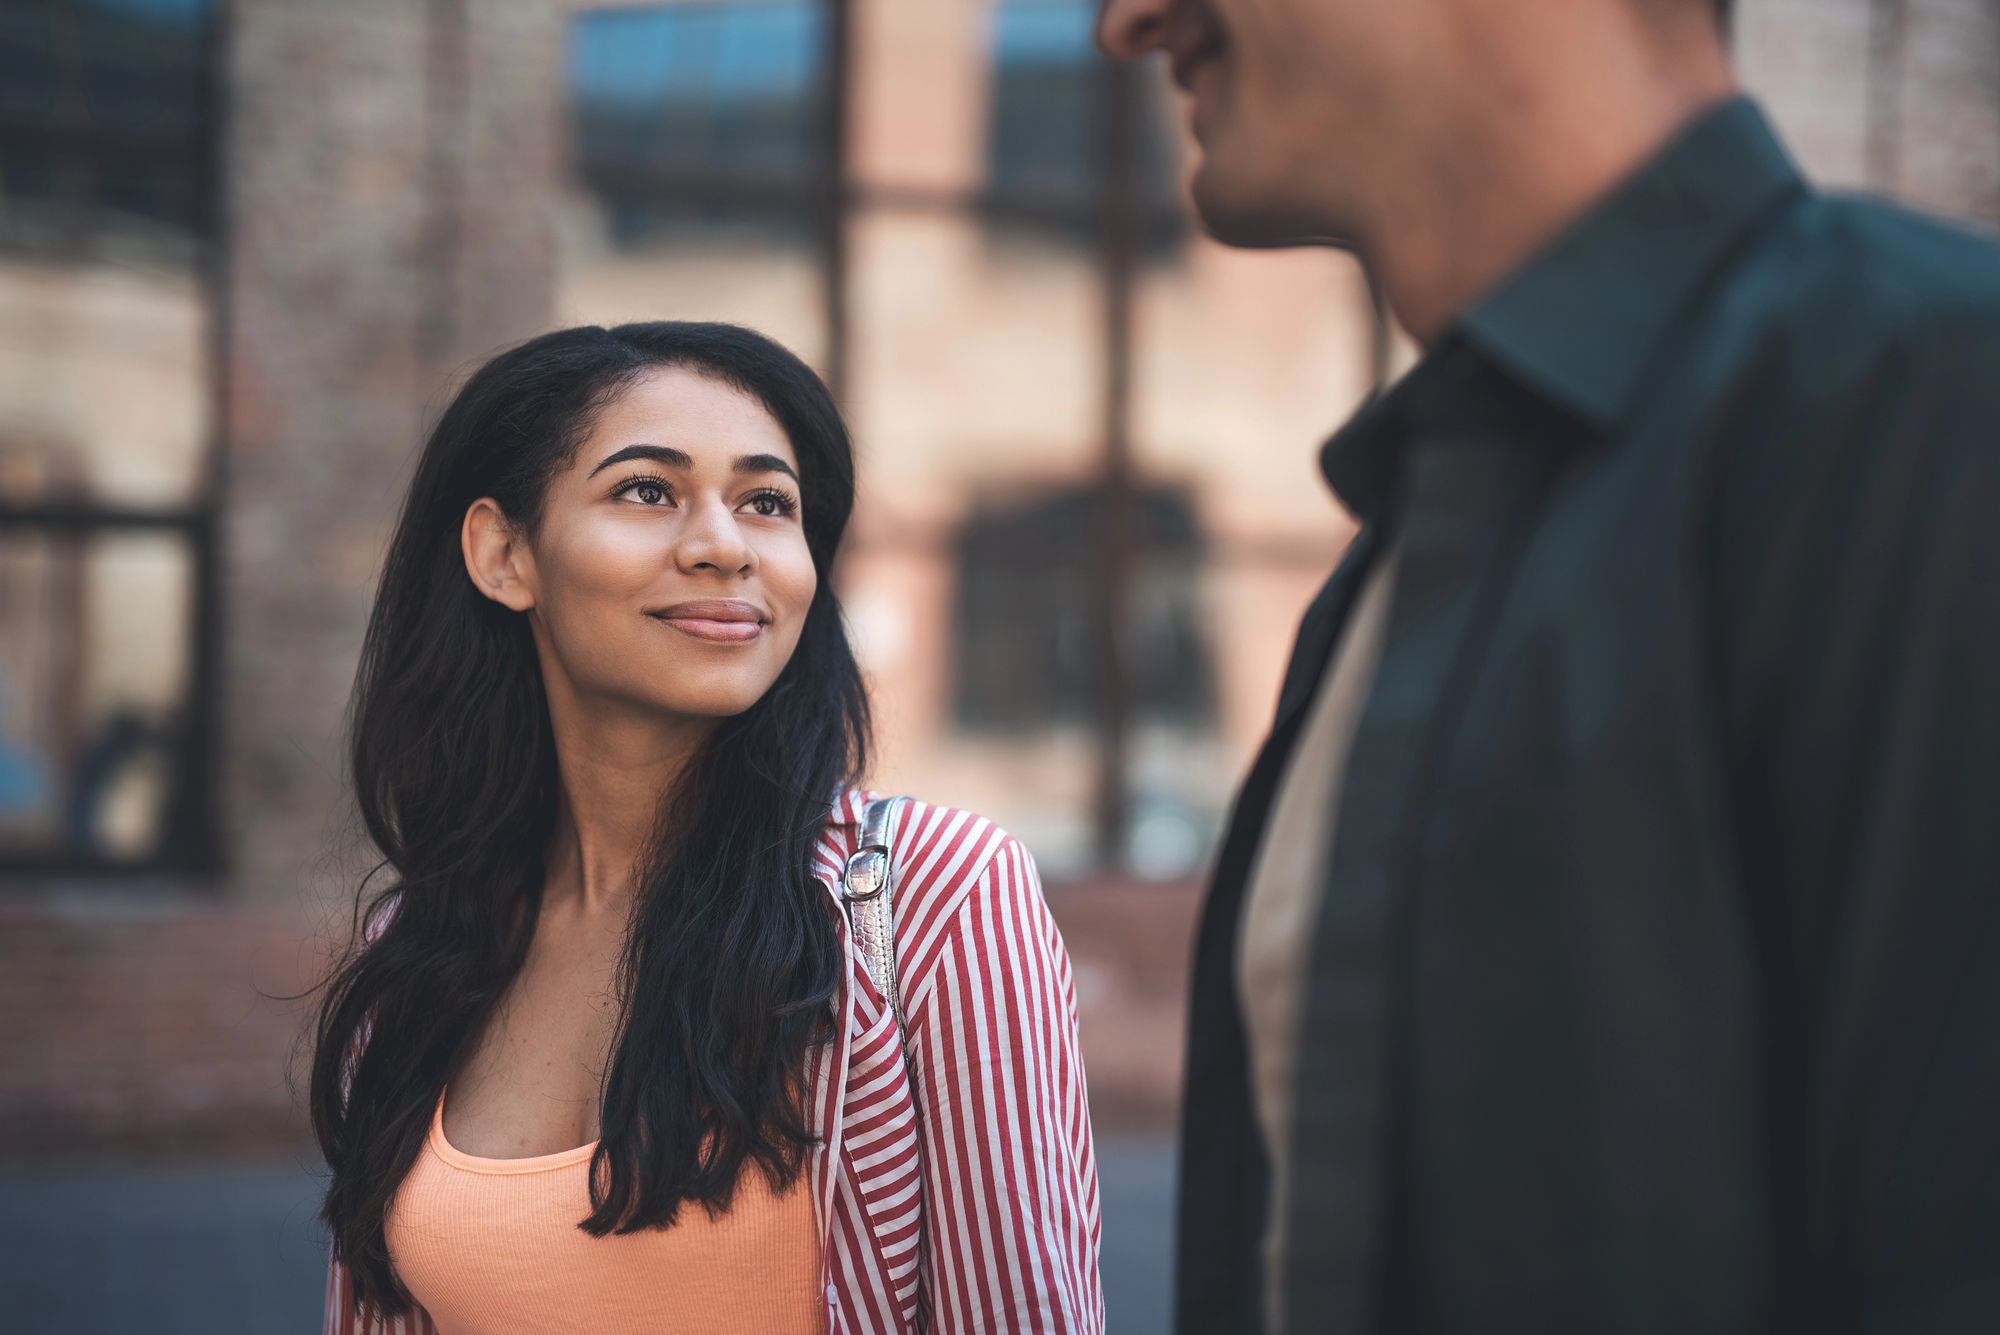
x: 712, y: 540
x: 1127, y: 29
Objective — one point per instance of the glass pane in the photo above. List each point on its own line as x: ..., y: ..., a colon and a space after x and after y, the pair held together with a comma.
x: 108, y: 106
x: 697, y: 143
x: 1023, y: 616
x: 94, y: 656
x: 1043, y: 124
x: 1045, y: 132
x: 103, y: 392
x: 103, y: 387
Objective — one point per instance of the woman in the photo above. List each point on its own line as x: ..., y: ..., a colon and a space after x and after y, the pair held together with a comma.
x: 609, y: 1058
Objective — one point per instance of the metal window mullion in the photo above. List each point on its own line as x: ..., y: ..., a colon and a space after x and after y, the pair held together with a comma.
x: 831, y: 196
x: 1116, y: 557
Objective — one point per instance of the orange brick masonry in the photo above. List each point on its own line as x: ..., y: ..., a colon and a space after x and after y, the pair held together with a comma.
x: 155, y: 1026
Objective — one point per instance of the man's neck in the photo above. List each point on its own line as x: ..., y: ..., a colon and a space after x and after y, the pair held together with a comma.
x: 1540, y: 143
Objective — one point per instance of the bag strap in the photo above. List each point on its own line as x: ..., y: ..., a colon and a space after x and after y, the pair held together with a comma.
x: 868, y: 890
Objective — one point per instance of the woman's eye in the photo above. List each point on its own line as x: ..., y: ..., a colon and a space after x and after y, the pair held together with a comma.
x: 770, y: 505
x: 648, y: 493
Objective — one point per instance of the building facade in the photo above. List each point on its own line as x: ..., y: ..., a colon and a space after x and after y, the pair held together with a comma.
x: 246, y: 250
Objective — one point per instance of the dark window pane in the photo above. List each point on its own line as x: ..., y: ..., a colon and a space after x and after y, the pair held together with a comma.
x: 1044, y: 138
x: 29, y: 180
x: 104, y: 122
x: 94, y: 657
x: 128, y: 192
x: 27, y: 63
x: 1025, y: 609
x: 699, y: 113
x: 141, y: 62
x: 1044, y: 119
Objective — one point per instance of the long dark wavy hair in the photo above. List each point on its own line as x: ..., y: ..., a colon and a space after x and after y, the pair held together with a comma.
x: 732, y: 956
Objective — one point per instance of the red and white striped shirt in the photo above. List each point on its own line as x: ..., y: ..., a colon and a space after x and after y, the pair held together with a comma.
x: 969, y: 1192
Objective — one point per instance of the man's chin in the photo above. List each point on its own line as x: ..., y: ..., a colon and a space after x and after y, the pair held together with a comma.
x: 1239, y: 210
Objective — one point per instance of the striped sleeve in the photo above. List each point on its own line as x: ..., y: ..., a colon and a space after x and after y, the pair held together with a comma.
x: 1011, y: 1219
x: 342, y: 1318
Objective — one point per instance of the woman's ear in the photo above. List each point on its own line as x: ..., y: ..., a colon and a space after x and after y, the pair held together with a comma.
x: 497, y: 556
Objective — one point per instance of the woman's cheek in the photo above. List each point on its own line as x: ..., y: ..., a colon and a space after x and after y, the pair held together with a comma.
x: 626, y: 558
x: 799, y: 579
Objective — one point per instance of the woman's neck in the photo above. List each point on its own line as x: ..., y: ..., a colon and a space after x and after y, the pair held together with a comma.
x: 615, y: 769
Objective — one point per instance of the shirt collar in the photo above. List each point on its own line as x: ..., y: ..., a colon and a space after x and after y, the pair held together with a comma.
x: 1580, y: 322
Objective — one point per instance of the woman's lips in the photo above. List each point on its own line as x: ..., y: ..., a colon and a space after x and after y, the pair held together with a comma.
x: 717, y: 620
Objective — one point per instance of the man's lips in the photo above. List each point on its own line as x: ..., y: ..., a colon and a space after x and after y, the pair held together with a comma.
x: 719, y: 620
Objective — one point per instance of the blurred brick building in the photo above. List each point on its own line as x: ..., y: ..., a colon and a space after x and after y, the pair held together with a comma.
x: 245, y: 251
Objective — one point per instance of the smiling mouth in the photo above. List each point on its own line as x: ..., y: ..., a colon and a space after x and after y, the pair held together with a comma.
x: 717, y: 620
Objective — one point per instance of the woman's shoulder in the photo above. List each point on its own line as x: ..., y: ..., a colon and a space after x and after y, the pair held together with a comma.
x: 934, y: 846
x: 959, y: 878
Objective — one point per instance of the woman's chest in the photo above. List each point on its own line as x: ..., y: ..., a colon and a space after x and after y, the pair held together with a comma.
x: 493, y: 1247
x: 531, y: 1082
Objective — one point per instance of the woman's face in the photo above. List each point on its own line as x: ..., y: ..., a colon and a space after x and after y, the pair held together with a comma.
x: 669, y: 574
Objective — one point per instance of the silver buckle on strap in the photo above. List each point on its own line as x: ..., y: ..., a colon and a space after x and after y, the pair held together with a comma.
x: 867, y: 874
x: 870, y: 868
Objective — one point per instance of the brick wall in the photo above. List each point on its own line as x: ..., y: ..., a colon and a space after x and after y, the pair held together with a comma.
x: 394, y: 170
x: 148, y: 1022
x: 144, y: 1022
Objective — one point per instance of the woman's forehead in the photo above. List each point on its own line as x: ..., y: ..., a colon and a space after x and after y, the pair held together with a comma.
x: 674, y: 407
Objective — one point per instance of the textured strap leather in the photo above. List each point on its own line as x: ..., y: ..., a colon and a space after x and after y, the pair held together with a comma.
x: 868, y: 887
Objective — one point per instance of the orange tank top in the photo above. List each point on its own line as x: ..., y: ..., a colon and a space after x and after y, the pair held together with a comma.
x: 491, y: 1247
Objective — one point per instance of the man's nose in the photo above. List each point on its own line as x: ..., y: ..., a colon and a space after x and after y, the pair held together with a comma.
x: 1127, y: 29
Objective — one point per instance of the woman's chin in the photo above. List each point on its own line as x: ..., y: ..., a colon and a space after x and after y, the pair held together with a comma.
x: 713, y: 702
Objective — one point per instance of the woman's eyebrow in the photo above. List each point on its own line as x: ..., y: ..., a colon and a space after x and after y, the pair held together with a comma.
x: 765, y: 463
x: 659, y: 454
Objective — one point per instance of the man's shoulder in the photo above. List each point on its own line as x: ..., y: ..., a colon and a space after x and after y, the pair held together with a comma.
x: 1842, y: 298
x: 1867, y: 267
x: 1854, y: 343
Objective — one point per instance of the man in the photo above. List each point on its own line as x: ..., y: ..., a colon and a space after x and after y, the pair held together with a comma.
x: 1608, y: 938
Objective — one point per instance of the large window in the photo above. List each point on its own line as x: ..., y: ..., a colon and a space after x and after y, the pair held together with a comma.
x: 106, y: 527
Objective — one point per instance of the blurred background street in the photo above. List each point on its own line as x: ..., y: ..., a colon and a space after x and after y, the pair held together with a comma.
x: 236, y: 1250
x: 248, y: 248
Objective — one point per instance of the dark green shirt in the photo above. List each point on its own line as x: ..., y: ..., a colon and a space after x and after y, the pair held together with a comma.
x: 1657, y: 983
